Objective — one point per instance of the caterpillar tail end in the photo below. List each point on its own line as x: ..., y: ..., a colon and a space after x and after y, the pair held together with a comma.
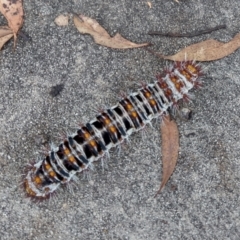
x: 35, y: 184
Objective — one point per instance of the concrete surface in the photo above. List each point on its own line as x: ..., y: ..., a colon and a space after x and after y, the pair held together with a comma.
x: 201, y: 200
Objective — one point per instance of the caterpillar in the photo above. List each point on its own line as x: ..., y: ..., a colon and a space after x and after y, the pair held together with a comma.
x: 110, y: 128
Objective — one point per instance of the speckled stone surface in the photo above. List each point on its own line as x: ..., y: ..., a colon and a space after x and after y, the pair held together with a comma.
x: 201, y: 200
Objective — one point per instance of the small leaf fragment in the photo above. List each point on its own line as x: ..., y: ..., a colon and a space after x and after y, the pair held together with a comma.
x: 149, y: 4
x: 90, y: 26
x: 13, y: 12
x: 62, y: 20
x: 208, y: 50
x: 5, y: 34
x: 170, y: 148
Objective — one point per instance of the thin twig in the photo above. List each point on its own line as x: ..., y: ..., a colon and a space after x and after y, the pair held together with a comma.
x: 193, y: 34
x: 24, y: 36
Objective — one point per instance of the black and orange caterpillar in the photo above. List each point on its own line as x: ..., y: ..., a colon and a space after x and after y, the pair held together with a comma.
x: 110, y: 128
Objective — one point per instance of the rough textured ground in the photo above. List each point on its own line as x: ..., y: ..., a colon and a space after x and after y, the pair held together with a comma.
x: 201, y: 200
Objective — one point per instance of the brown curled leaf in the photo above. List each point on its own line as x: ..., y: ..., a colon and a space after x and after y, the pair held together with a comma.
x: 208, y: 50
x: 170, y: 148
x: 90, y: 26
x: 13, y: 12
x: 5, y: 34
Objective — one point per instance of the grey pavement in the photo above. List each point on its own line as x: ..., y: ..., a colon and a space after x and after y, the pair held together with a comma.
x: 201, y: 200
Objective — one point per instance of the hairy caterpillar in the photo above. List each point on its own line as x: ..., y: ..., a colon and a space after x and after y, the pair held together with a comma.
x: 110, y: 128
